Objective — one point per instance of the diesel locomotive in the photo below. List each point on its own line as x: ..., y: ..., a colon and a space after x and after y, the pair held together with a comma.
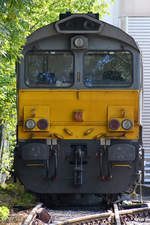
x: 78, y: 99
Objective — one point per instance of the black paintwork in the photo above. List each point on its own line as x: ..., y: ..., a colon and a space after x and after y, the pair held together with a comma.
x: 60, y: 171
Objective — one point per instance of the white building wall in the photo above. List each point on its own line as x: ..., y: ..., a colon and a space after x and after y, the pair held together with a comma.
x: 132, y: 8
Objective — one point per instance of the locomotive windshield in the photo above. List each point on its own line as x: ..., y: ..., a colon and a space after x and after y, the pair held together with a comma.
x: 108, y: 68
x: 49, y: 69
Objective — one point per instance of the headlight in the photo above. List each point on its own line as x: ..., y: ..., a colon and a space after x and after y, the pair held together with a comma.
x: 30, y: 124
x: 79, y: 42
x: 42, y: 124
x: 114, y: 124
x: 127, y: 124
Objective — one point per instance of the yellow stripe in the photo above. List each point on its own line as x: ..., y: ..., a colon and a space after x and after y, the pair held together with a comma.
x: 34, y: 164
x: 120, y: 165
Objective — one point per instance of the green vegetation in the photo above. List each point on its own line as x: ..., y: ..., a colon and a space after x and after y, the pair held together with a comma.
x: 13, y: 195
x: 16, y: 196
x: 4, y: 212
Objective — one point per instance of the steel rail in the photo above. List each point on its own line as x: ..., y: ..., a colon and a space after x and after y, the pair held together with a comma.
x: 85, y: 218
x: 96, y: 217
x: 128, y: 211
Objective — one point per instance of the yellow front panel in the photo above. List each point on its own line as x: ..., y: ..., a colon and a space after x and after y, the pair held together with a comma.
x: 97, y: 107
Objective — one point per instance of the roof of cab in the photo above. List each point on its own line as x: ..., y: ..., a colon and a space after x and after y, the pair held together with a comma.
x: 106, y: 30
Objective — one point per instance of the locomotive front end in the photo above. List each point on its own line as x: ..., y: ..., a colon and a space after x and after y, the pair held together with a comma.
x: 78, y: 109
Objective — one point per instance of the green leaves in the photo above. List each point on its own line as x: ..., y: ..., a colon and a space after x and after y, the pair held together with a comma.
x: 4, y: 212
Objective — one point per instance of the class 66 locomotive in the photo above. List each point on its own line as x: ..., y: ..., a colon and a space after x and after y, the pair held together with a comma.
x: 79, y: 91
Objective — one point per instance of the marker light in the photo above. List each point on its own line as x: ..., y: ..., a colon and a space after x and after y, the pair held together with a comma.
x: 79, y: 42
x: 30, y: 124
x: 78, y: 116
x: 114, y: 124
x: 42, y: 124
x: 127, y: 124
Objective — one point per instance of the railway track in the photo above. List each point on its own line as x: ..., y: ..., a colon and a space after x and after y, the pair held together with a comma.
x: 138, y: 213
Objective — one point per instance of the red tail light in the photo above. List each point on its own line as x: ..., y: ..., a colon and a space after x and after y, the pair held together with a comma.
x: 78, y: 116
x: 42, y: 124
x: 114, y: 124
